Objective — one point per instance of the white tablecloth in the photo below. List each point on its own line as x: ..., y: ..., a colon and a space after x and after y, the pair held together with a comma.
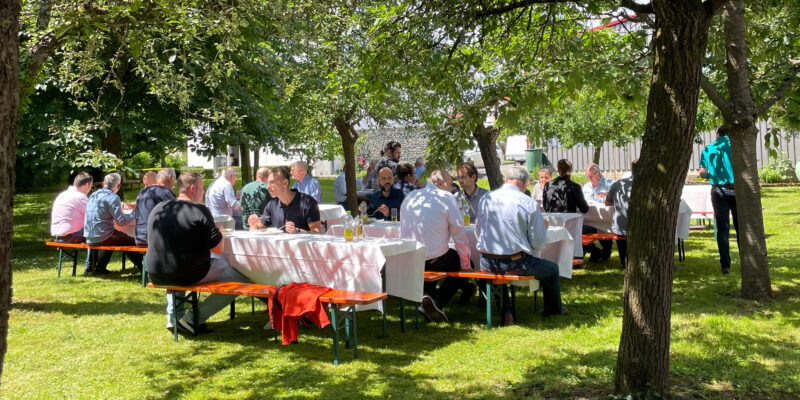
x: 282, y: 258
x: 698, y: 198
x: 559, y: 247
x: 599, y: 216
x: 331, y: 212
x: 574, y: 224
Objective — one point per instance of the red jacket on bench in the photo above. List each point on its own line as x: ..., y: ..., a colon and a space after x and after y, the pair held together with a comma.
x: 294, y: 301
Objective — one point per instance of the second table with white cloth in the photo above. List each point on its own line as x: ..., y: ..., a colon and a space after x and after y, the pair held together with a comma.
x: 282, y: 258
x: 559, y: 248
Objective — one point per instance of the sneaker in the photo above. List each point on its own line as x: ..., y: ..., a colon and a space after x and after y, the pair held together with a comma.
x: 101, y: 272
x: 269, y: 326
x: 549, y: 313
x: 508, y: 319
x: 185, y: 326
x: 432, y: 311
x: 726, y: 271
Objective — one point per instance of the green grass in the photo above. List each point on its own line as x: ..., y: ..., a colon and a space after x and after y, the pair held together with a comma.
x: 104, y: 337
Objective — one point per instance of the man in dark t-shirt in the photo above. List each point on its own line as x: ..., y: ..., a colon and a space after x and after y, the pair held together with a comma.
x: 255, y: 195
x: 290, y: 210
x: 181, y: 232
x: 148, y: 198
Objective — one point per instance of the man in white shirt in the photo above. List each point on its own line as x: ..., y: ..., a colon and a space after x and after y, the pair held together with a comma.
x: 431, y: 217
x: 305, y: 183
x: 510, y: 229
x: 595, y: 191
x: 69, y: 211
x: 221, y: 198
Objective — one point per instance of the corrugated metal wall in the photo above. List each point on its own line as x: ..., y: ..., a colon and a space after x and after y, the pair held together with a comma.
x: 613, y: 158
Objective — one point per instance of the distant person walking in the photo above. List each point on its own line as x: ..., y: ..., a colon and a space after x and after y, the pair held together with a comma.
x: 715, y: 165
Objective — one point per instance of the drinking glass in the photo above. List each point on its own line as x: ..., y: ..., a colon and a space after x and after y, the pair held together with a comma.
x: 394, y: 215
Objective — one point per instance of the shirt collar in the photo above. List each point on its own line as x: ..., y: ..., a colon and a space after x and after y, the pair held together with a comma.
x: 510, y: 186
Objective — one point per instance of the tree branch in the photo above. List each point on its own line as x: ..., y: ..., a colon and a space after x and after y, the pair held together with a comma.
x: 786, y: 83
x: 638, y: 8
x: 516, y: 5
x: 713, y: 94
x: 714, y: 6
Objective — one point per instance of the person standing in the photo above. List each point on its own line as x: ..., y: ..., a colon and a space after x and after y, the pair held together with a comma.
x: 221, y: 198
x: 103, y: 210
x: 391, y: 156
x: 431, y: 217
x: 406, y: 178
x: 305, y: 183
x: 510, y: 229
x: 182, y: 237
x: 148, y: 198
x: 470, y: 192
x: 69, y: 211
x: 716, y: 166
x: 255, y: 195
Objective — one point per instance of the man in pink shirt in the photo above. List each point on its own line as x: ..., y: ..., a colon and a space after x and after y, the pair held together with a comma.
x: 69, y: 209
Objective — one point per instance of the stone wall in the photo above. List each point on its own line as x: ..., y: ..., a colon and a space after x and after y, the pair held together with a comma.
x: 413, y: 142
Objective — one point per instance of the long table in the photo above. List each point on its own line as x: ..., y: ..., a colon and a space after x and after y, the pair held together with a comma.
x: 559, y: 247
x: 282, y: 258
x: 600, y: 217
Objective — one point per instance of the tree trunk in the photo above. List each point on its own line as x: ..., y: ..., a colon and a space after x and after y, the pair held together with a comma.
x: 741, y: 117
x: 679, y: 42
x: 9, y: 113
x: 256, y: 150
x: 487, y: 139
x: 349, y: 136
x: 596, y: 155
x: 112, y: 143
x: 163, y: 160
x: 244, y: 164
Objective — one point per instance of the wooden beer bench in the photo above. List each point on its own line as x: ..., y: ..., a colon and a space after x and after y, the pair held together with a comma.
x: 335, y: 299
x: 491, y: 280
x: 64, y: 250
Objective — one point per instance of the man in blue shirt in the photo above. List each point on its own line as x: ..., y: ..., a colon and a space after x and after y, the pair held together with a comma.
x: 510, y: 229
x: 381, y: 202
x: 595, y: 191
x: 715, y: 165
x: 102, y: 211
x: 305, y: 183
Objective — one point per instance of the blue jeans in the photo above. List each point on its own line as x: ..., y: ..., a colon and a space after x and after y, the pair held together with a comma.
x: 723, y: 200
x: 545, y: 271
x: 220, y: 271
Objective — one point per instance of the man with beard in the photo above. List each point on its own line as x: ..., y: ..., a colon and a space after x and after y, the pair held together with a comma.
x: 381, y: 202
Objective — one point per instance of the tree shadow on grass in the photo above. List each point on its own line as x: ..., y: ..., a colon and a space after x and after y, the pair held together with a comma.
x: 89, y: 308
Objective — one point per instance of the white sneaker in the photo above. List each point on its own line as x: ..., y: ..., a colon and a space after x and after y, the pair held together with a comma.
x: 269, y: 326
x: 432, y: 311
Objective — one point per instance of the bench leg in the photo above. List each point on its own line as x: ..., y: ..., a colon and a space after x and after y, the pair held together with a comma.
x: 123, y: 260
x: 488, y: 304
x: 346, y: 330
x: 355, y: 331
x: 513, y: 300
x: 60, y: 257
x: 195, y: 318
x: 144, y: 272
x: 335, y: 326
x: 383, y: 305
x: 402, y: 315
x: 74, y: 261
x: 233, y: 309
x: 253, y: 306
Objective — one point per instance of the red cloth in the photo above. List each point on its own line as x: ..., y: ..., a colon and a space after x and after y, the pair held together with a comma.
x: 298, y: 300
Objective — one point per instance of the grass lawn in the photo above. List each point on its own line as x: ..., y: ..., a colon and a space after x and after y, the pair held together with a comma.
x: 104, y: 337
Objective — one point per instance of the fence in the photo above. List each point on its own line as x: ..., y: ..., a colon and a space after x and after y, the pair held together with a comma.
x: 613, y: 158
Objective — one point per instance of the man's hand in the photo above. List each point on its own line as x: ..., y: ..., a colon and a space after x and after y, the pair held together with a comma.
x: 254, y: 222
x: 290, y: 227
x: 466, y: 268
x: 703, y: 173
x: 384, y: 210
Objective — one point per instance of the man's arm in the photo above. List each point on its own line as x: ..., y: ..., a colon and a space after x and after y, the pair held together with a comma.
x: 219, y: 247
x: 230, y: 198
x: 537, y: 232
x: 116, y: 211
x: 456, y: 226
x: 316, y: 190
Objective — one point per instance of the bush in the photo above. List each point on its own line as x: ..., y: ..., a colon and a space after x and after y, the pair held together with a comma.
x: 176, y: 160
x: 140, y: 161
x: 207, y: 173
x: 779, y: 169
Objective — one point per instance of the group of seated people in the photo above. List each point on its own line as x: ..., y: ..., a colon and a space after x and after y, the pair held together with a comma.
x: 180, y: 232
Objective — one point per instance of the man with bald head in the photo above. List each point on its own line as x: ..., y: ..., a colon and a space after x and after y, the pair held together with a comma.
x: 255, y: 195
x: 388, y: 197
x: 149, y: 178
